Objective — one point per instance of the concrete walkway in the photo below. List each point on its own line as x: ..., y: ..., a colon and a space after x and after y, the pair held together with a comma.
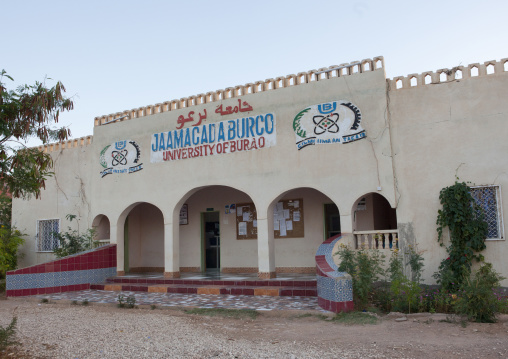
x: 192, y: 300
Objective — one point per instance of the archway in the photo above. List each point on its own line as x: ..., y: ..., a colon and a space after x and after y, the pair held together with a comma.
x: 302, y: 219
x: 144, y: 239
x: 217, y: 231
x: 374, y: 222
x: 102, y: 228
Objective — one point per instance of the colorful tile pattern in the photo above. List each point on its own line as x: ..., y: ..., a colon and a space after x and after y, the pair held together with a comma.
x: 263, y: 303
x: 70, y: 273
x: 334, y: 288
x: 209, y: 283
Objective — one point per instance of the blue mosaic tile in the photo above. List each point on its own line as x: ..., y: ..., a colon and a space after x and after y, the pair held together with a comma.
x: 337, y: 290
x: 13, y: 282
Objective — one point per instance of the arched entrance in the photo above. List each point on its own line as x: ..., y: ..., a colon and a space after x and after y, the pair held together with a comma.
x: 374, y: 222
x: 302, y: 219
x: 218, y: 231
x: 144, y: 239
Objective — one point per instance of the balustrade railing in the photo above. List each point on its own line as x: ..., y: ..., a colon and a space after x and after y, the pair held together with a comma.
x: 100, y: 243
x: 381, y: 239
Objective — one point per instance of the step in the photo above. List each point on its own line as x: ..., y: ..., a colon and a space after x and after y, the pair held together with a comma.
x: 209, y: 288
x: 306, y: 284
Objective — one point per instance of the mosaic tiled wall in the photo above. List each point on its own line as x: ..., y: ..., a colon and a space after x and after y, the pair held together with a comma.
x: 334, y: 288
x: 66, y: 274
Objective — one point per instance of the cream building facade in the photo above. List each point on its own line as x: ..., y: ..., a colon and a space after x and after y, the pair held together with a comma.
x: 254, y: 178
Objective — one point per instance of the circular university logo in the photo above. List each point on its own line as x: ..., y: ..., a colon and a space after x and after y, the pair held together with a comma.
x: 120, y: 157
x: 326, y: 123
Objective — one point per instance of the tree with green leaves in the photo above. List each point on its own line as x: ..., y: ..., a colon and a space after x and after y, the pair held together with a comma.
x: 29, y: 111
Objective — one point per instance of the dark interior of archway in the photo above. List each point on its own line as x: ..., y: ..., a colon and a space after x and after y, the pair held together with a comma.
x: 385, y: 216
x: 332, y: 220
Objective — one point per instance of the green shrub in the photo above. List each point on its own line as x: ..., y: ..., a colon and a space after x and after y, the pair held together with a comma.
x: 365, y: 268
x: 10, y: 240
x: 405, y: 293
x: 72, y: 241
x: 479, y: 301
x: 7, y: 335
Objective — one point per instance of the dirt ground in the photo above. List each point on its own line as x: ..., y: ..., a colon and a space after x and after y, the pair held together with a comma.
x: 420, y: 336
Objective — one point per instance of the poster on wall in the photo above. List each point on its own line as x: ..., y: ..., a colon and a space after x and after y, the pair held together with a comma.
x: 120, y: 157
x: 288, y: 219
x: 184, y: 214
x: 246, y: 221
x: 328, y: 123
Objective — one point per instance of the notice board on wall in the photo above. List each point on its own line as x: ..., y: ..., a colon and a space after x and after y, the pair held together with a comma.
x: 246, y: 221
x: 288, y: 219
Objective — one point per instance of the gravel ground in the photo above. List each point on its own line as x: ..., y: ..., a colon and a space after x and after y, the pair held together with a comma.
x: 64, y: 331
x: 60, y: 330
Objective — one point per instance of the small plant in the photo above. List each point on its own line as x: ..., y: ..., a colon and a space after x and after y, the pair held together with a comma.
x: 85, y: 302
x: 479, y: 301
x: 74, y: 302
x: 153, y: 307
x: 365, y: 268
x: 126, y: 302
x: 7, y: 334
x: 131, y: 301
x: 44, y: 300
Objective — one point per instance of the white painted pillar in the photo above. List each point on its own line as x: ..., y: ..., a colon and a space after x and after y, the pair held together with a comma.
x: 171, y: 250
x: 266, y: 248
x: 116, y: 237
x: 346, y: 228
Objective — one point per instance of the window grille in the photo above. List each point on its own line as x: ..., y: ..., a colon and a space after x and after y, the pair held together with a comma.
x: 488, y: 198
x: 47, y: 241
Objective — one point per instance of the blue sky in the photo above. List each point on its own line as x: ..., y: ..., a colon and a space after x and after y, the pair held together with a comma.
x: 118, y: 55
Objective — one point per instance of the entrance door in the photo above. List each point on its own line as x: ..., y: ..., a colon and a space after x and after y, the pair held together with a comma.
x: 211, y: 240
x: 332, y: 220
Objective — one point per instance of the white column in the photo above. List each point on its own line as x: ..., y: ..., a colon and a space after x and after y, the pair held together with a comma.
x: 116, y: 237
x: 346, y: 228
x: 266, y: 248
x: 171, y: 250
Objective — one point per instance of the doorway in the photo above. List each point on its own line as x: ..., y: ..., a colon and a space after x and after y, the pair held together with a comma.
x: 332, y: 220
x: 211, y: 240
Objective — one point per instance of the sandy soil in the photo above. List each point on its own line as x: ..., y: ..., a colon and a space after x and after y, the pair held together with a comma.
x: 59, y: 330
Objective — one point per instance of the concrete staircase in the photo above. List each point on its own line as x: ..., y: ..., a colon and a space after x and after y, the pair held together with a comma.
x: 272, y: 287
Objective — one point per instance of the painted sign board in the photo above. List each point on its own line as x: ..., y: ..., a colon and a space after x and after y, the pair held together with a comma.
x: 120, y: 157
x: 328, y: 123
x: 242, y: 134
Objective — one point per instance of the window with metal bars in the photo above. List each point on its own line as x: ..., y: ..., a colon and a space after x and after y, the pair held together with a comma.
x: 488, y: 198
x: 47, y: 241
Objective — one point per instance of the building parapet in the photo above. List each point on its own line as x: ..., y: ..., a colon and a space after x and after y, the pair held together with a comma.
x: 300, y: 78
x: 76, y: 142
x: 488, y: 68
